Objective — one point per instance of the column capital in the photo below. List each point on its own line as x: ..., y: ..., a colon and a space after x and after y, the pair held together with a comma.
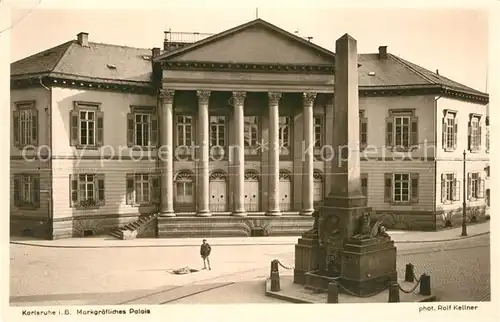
x: 239, y: 98
x: 203, y: 97
x: 274, y: 98
x: 309, y: 97
x: 166, y: 95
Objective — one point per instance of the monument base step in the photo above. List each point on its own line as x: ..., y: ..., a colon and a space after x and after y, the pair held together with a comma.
x: 296, y: 293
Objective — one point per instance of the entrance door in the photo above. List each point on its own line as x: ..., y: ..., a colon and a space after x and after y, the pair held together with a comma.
x: 251, y: 191
x: 218, y: 192
x: 285, y: 190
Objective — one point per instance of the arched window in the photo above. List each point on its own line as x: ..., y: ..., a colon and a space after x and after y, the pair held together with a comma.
x: 184, y: 187
x: 318, y: 186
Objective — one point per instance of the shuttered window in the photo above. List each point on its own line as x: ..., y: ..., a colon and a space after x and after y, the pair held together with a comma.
x: 27, y: 190
x: 401, y: 130
x: 87, y: 125
x: 87, y: 190
x: 401, y: 187
x: 142, y: 127
x: 142, y: 189
x: 25, y: 124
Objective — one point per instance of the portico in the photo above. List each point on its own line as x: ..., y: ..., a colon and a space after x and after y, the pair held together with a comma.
x: 243, y: 153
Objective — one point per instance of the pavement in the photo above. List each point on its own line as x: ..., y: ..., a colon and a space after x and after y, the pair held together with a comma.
x: 398, y: 236
x: 48, y: 276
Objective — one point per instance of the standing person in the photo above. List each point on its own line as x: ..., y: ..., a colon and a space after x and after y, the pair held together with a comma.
x: 205, y: 250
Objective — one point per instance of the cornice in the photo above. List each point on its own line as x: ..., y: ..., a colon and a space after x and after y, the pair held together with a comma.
x: 249, y: 67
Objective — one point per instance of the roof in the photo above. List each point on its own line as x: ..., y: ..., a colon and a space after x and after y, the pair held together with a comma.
x: 120, y: 64
x: 96, y: 61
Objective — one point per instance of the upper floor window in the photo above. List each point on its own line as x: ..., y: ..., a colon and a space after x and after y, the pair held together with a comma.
x: 87, y: 125
x: 142, y: 127
x: 87, y: 190
x: 184, y: 130
x: 27, y: 190
x: 284, y: 134
x: 143, y: 188
x: 475, y: 186
x: 251, y: 135
x: 450, y: 130
x: 363, y: 131
x: 450, y: 188
x: 474, y: 129
x: 25, y: 124
x: 487, y: 138
x: 401, y: 187
x: 401, y: 130
x: 218, y: 131
x: 318, y: 133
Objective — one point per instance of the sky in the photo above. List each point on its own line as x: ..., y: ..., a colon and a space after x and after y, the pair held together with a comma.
x: 453, y: 40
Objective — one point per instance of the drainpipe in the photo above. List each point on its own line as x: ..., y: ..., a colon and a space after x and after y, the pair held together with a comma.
x: 435, y: 158
x: 48, y: 113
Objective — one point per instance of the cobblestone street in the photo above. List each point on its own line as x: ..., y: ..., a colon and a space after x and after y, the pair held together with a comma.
x: 460, y: 271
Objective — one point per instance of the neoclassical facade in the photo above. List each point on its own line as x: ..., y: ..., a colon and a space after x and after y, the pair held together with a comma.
x: 232, y: 135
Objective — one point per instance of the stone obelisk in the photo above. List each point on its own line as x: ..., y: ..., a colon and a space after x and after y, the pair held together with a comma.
x: 346, y: 199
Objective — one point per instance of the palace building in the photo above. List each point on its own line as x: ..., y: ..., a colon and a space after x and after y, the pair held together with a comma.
x: 231, y: 135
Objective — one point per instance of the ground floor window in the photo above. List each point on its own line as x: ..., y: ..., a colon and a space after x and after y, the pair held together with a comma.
x: 87, y: 190
x: 184, y: 188
x: 475, y: 186
x: 401, y: 187
x: 27, y: 190
x: 143, y: 188
x: 318, y: 195
x: 450, y: 188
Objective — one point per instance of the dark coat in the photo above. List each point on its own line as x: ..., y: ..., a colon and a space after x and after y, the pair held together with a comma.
x: 205, y: 250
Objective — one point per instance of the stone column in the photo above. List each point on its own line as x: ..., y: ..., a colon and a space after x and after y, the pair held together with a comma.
x: 238, y: 161
x: 203, y: 183
x: 308, y: 165
x: 274, y: 155
x: 166, y: 153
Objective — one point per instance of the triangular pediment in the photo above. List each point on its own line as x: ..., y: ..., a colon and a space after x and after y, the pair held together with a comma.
x: 257, y: 42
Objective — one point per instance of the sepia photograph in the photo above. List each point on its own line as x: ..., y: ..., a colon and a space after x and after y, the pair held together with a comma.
x: 251, y: 154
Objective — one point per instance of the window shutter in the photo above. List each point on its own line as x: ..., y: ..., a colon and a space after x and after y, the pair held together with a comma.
x: 35, y: 190
x: 100, y: 188
x: 130, y: 188
x: 414, y: 131
x: 469, y: 186
x: 388, y: 132
x: 443, y: 188
x: 481, y: 188
x: 154, y: 129
x: 469, y: 138
x: 73, y: 117
x: 155, y: 184
x: 130, y: 130
x: 100, y: 128
x: 34, y: 127
x: 414, y: 187
x: 17, y: 190
x: 443, y: 133
x: 456, y: 189
x: 480, y: 135
x: 73, y: 190
x: 15, y: 127
x: 388, y: 187
x: 455, y: 132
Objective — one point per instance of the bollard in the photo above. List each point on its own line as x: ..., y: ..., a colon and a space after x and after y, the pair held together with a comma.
x: 275, y: 281
x: 274, y: 266
x: 409, y: 273
x: 393, y: 293
x: 333, y: 293
x: 425, y: 285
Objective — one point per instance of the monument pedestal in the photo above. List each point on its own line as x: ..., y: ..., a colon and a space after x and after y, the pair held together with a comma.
x: 368, y: 265
x: 306, y: 260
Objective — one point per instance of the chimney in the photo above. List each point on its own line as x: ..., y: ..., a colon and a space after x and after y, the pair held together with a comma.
x: 382, y: 52
x: 437, y: 71
x: 155, y: 52
x: 83, y: 39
